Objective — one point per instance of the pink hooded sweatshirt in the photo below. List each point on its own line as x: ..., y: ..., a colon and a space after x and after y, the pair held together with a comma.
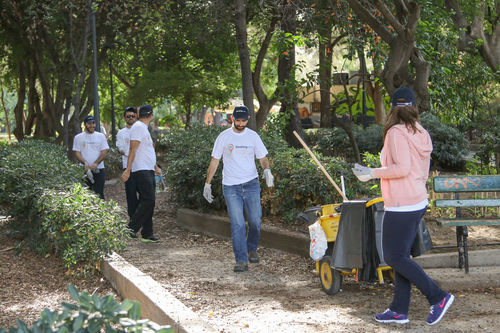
x: 405, y: 166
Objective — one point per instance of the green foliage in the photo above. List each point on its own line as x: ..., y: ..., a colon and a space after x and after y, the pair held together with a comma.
x: 449, y: 145
x: 113, y: 163
x: 187, y: 154
x: 44, y: 191
x: 26, y: 170
x: 91, y: 314
x: 335, y: 142
x: 81, y: 226
x: 298, y: 181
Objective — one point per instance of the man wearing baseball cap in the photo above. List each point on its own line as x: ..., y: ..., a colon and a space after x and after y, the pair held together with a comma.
x: 141, y: 165
x: 90, y: 148
x: 238, y: 146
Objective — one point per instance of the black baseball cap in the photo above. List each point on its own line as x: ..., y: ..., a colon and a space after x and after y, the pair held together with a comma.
x: 89, y: 119
x: 145, y: 110
x: 403, y: 96
x: 240, y: 112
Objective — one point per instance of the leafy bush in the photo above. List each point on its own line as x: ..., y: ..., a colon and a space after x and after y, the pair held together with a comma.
x: 335, y: 142
x: 187, y: 154
x: 298, y: 181
x: 81, y: 226
x: 450, y: 146
x: 43, y: 190
x: 27, y: 169
x: 113, y: 163
x: 91, y: 314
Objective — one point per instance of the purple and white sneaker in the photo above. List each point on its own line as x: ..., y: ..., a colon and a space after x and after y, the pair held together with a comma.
x: 438, y: 310
x: 389, y: 316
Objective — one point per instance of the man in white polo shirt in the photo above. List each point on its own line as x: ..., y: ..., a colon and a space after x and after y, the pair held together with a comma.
x: 123, y: 145
x: 238, y: 146
x: 141, y: 165
x: 90, y: 148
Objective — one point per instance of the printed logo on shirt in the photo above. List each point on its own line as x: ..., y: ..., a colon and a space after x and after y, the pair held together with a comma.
x: 230, y: 147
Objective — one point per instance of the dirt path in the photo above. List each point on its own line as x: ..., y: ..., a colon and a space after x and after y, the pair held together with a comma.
x: 282, y: 293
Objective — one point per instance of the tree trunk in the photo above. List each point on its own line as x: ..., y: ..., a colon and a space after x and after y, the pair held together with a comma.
x: 325, y: 74
x: 6, y: 115
x: 240, y: 24
x: 374, y: 89
x: 19, y: 109
x: 285, y: 65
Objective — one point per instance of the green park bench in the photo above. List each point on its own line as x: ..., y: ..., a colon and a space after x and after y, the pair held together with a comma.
x: 459, y: 184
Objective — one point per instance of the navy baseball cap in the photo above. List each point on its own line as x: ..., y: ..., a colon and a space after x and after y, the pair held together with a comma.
x: 145, y: 110
x: 89, y: 119
x: 403, y: 96
x: 130, y: 109
x: 240, y: 112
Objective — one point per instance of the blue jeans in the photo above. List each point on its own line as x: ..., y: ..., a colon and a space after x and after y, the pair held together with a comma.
x: 244, y: 200
x: 399, y: 230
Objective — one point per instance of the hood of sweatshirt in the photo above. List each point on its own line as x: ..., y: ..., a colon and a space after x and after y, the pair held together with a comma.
x: 420, y: 141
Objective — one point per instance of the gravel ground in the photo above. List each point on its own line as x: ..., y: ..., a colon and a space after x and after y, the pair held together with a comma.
x: 281, y: 293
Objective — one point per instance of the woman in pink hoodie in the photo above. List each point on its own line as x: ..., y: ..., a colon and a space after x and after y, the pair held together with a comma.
x: 405, y: 168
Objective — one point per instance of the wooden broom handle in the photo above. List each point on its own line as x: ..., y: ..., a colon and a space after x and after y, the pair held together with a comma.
x: 319, y: 165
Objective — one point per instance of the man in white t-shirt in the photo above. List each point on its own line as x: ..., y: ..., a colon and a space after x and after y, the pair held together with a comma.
x: 123, y: 145
x: 141, y: 165
x: 238, y: 146
x: 90, y: 148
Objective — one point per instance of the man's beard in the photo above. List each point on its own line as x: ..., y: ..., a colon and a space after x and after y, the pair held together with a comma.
x: 240, y: 128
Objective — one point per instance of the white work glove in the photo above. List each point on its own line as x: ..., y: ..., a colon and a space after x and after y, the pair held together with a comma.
x: 90, y: 176
x: 207, y: 193
x: 363, y: 173
x: 268, y: 176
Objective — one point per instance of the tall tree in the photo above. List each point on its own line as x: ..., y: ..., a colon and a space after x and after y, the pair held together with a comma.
x: 396, y: 23
x: 479, y: 29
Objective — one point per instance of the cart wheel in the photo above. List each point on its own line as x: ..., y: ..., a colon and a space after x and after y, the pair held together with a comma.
x: 330, y: 278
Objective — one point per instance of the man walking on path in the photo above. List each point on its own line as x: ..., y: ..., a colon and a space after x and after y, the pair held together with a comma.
x: 90, y: 149
x: 141, y: 165
x: 238, y: 146
x: 123, y: 144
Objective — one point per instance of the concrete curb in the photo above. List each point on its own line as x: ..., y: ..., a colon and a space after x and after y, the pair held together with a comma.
x: 298, y: 243
x: 220, y: 227
x: 157, y: 304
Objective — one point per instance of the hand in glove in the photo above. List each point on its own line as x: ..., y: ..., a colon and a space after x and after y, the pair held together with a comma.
x: 363, y: 173
x: 268, y: 176
x: 90, y: 176
x: 207, y: 193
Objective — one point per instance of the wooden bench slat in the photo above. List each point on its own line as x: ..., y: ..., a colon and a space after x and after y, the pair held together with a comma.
x: 466, y: 183
x: 467, y: 203
x: 467, y: 222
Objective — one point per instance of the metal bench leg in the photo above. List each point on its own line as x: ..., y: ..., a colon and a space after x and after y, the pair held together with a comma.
x: 466, y: 250
x: 460, y: 246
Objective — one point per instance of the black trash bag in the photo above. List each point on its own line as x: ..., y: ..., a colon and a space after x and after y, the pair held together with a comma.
x: 423, y: 241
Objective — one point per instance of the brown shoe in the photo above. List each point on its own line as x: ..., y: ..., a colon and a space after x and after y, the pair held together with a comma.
x: 253, y: 257
x: 240, y: 267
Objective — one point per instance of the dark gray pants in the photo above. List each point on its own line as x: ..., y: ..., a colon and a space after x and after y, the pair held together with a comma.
x: 143, y: 215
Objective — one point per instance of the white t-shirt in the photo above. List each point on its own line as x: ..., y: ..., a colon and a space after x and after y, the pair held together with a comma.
x: 145, y: 157
x: 123, y: 143
x: 238, y: 152
x: 90, y: 146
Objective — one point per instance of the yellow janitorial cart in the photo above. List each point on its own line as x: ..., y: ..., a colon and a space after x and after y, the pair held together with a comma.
x: 353, y: 232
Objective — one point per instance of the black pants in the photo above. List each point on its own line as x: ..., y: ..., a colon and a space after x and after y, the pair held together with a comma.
x: 131, y: 195
x: 143, y: 215
x: 98, y: 185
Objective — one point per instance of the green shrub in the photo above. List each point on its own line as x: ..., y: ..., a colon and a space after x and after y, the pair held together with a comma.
x: 27, y: 169
x: 298, y: 181
x: 91, y: 314
x: 53, y: 212
x: 335, y: 142
x: 450, y: 146
x: 113, y: 163
x: 187, y: 154
x: 81, y: 227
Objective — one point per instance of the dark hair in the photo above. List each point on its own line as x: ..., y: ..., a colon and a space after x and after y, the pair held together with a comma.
x: 145, y: 111
x: 129, y: 109
x: 407, y: 115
